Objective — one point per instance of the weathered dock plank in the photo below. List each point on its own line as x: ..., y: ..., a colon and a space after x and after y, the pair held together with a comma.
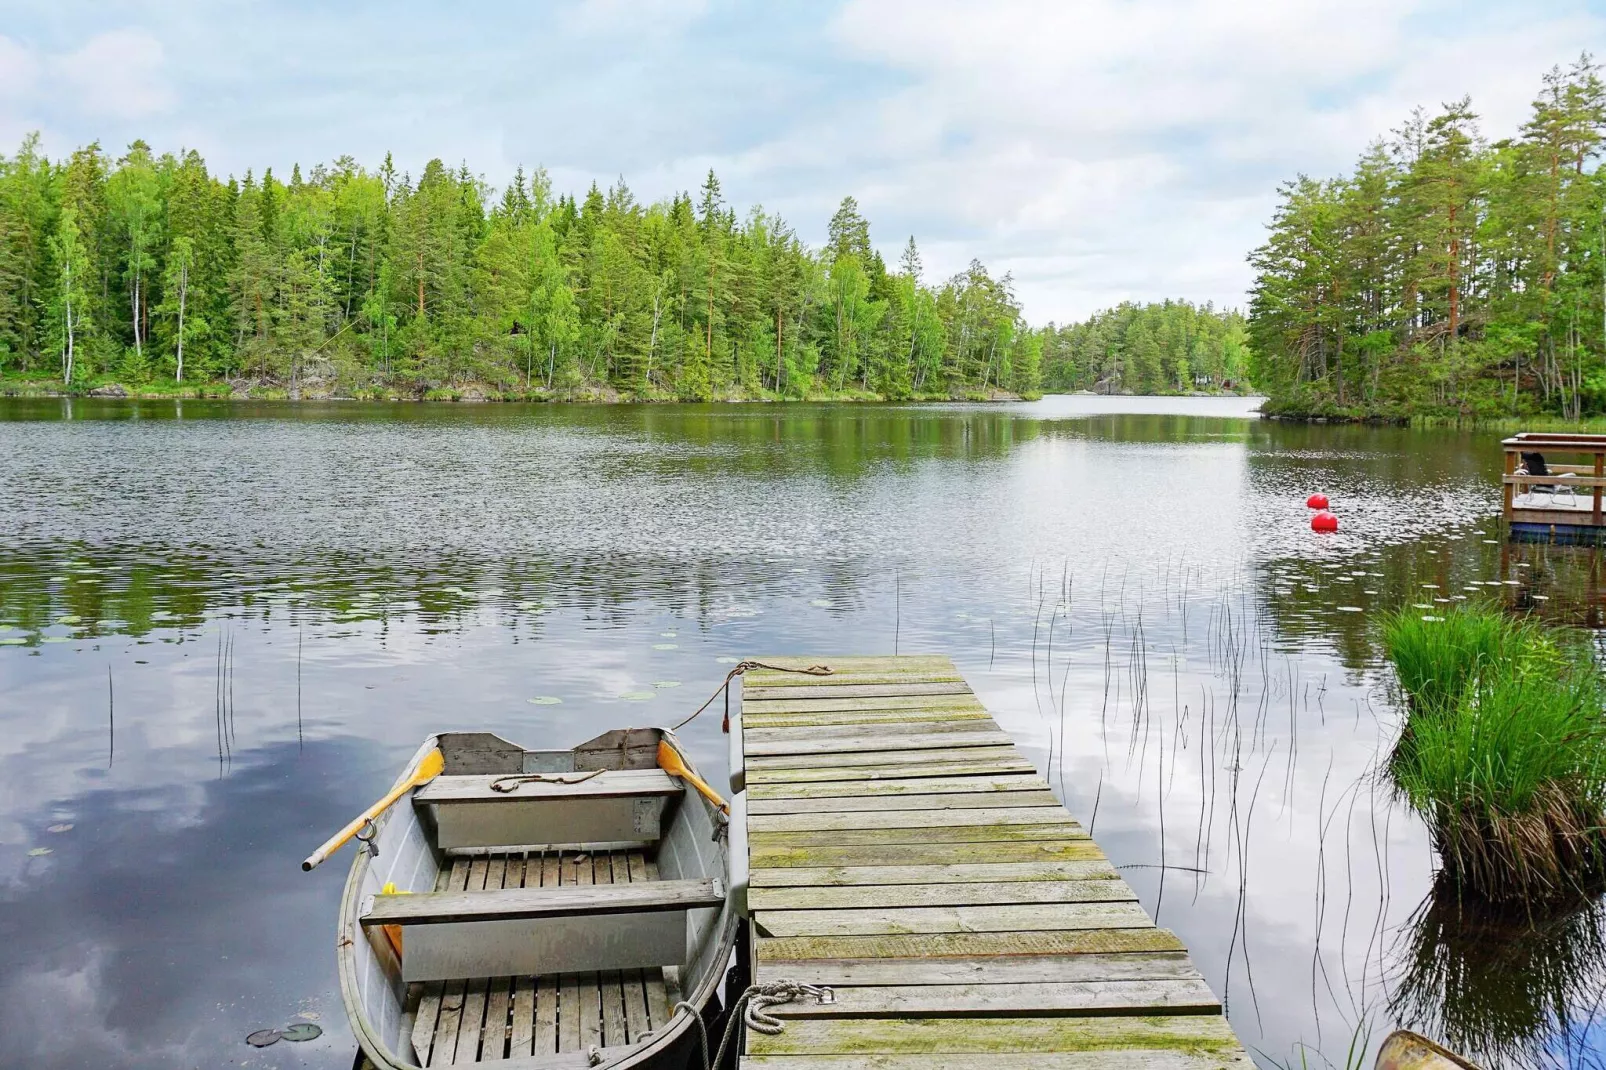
x: 852, y: 897
x: 904, y: 853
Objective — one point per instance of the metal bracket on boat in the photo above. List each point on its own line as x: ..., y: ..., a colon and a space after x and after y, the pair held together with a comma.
x: 722, y: 826
x: 367, y: 835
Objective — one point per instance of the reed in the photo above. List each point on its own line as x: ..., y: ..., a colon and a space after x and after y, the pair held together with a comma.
x: 1503, y: 753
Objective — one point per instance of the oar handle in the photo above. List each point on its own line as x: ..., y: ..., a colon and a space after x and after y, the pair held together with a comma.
x: 338, y: 840
x: 426, y: 770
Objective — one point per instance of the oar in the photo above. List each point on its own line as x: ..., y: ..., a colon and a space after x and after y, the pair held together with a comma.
x: 427, y: 770
x: 670, y: 761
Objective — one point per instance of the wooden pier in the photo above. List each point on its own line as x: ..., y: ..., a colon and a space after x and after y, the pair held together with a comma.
x: 1554, y: 502
x: 904, y: 853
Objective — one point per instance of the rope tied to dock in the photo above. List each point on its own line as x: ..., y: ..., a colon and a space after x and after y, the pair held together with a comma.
x: 751, y: 1010
x: 725, y: 688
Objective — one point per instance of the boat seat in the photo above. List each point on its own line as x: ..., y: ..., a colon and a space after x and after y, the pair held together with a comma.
x: 614, y: 807
x: 514, y: 931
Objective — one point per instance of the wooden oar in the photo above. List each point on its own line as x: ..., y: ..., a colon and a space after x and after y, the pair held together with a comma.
x: 427, y: 770
x: 670, y: 761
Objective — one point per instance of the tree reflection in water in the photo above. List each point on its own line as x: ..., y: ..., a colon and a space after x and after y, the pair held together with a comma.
x: 1508, y: 991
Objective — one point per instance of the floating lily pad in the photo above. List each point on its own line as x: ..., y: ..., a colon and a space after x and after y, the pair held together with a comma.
x: 545, y: 700
x: 666, y: 683
x: 527, y: 604
x: 1351, y: 609
x: 637, y: 696
x: 161, y: 614
x: 57, y: 639
x: 13, y: 640
x: 301, y: 1031
x: 823, y: 602
x: 667, y: 635
x: 309, y: 1016
x: 1421, y: 605
x: 38, y: 852
x: 70, y: 618
x: 665, y: 646
x: 65, y: 826
x: 263, y: 1037
x: 57, y: 579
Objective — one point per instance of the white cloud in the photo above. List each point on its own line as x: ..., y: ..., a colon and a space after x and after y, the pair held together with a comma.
x: 19, y: 70
x: 120, y: 73
x: 1108, y: 149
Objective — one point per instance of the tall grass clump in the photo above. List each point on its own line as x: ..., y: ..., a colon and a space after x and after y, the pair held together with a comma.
x: 1503, y: 752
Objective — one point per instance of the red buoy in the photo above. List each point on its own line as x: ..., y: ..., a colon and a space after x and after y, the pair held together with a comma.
x: 1324, y: 521
x: 1317, y: 501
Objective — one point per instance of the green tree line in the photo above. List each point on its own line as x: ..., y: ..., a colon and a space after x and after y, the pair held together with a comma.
x: 1447, y: 275
x: 150, y: 268
x: 1170, y: 347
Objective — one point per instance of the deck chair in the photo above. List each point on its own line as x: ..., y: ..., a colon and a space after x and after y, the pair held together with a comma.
x: 1533, y: 464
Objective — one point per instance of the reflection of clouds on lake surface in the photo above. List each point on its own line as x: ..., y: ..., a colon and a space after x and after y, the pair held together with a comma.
x: 1135, y: 594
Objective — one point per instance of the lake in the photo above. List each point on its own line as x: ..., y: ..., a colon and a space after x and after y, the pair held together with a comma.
x: 225, y: 626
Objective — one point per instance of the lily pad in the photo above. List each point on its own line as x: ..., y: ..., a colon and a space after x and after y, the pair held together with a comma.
x: 665, y: 646
x: 823, y: 602
x: 527, y: 604
x: 1351, y: 609
x: 667, y: 635
x: 301, y: 1031
x: 666, y: 683
x: 70, y: 618
x: 545, y: 700
x: 38, y: 852
x: 13, y: 640
x: 65, y: 826
x: 57, y: 639
x: 637, y: 696
x: 263, y: 1037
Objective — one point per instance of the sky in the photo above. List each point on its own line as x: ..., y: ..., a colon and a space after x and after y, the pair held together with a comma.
x: 1097, y: 150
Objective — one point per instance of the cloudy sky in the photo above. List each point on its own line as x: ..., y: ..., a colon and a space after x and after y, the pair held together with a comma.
x: 1099, y: 150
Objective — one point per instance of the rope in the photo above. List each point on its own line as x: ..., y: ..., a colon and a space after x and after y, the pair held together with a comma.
x: 750, y: 1010
x: 741, y: 667
x: 508, y: 784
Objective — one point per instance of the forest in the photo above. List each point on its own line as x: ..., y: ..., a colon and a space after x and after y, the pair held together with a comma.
x: 1448, y: 275
x: 349, y: 282
x: 1169, y: 347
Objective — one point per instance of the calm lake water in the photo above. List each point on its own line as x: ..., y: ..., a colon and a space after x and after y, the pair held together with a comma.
x: 223, y: 627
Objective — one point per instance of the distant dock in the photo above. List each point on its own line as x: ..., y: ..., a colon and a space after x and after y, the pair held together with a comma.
x: 903, y: 852
x: 1551, y: 502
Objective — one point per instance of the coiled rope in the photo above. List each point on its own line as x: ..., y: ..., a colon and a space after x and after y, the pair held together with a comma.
x: 741, y: 667
x: 751, y: 1010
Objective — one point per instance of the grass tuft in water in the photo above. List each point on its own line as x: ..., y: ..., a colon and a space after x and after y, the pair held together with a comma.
x: 1503, y: 754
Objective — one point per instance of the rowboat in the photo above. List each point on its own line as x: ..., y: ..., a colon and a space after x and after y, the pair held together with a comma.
x: 538, y: 909
x: 1405, y: 1050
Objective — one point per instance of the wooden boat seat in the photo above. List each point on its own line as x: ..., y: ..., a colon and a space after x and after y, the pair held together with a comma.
x: 546, y: 1015
x: 491, y: 933
x: 615, y: 807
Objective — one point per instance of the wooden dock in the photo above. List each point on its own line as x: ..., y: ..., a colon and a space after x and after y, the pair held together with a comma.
x: 904, y: 853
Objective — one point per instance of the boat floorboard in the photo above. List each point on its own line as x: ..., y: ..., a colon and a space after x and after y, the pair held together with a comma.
x: 489, y: 1019
x: 916, y: 864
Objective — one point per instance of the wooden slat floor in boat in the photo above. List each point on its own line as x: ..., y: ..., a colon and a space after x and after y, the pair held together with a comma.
x: 903, y: 852
x: 489, y: 1019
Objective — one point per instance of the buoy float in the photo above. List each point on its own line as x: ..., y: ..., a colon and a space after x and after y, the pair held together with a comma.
x: 1317, y: 501
x: 1324, y: 521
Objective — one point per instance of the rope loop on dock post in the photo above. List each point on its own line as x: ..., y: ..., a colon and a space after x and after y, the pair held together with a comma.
x: 750, y: 1010
x: 741, y: 667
